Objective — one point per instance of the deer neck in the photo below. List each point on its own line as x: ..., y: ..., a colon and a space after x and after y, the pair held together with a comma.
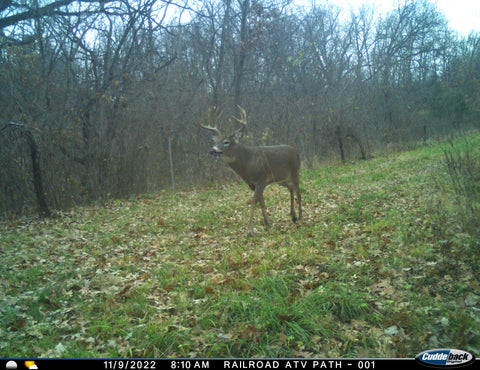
x: 238, y: 157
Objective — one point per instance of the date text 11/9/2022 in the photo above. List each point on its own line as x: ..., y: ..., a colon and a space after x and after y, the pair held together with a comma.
x: 152, y: 364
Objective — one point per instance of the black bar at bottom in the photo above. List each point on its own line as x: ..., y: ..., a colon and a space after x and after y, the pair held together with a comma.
x: 206, y: 363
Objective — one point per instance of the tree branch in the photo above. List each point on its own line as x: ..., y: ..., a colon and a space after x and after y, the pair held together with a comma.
x: 46, y: 10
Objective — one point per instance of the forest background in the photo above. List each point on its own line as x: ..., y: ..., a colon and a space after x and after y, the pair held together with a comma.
x: 103, y: 99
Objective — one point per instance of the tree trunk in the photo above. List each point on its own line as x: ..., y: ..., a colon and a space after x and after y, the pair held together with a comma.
x: 340, y: 144
x: 36, y: 168
x: 241, y: 55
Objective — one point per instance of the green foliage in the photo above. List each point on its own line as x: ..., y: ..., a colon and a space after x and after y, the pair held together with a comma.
x: 378, y: 268
x: 265, y: 133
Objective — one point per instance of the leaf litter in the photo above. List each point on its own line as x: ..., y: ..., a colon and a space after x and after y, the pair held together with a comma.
x: 175, y: 275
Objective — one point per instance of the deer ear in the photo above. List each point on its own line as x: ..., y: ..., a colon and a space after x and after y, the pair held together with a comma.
x: 238, y: 135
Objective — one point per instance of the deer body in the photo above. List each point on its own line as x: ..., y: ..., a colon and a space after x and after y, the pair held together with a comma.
x: 260, y: 166
x: 263, y: 164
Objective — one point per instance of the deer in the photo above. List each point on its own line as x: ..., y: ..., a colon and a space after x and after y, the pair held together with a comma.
x: 258, y: 166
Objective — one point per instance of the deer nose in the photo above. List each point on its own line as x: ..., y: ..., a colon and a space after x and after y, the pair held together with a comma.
x: 214, y: 151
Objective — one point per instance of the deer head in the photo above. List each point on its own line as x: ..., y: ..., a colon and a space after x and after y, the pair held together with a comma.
x: 223, y: 143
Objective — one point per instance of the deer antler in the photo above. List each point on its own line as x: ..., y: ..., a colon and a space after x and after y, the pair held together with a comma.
x: 209, y: 127
x: 243, y: 117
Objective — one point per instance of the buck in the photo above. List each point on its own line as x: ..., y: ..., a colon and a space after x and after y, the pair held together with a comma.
x: 259, y: 166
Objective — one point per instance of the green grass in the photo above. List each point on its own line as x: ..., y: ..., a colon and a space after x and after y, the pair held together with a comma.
x: 381, y: 266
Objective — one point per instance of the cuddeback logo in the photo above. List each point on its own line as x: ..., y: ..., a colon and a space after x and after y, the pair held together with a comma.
x: 445, y: 358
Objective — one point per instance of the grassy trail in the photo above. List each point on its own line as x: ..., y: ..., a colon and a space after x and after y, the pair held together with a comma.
x: 378, y: 268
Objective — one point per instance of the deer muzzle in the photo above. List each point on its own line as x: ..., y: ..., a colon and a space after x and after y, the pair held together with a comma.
x: 215, y: 152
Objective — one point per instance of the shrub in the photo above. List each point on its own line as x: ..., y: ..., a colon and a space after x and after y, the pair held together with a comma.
x: 463, y: 169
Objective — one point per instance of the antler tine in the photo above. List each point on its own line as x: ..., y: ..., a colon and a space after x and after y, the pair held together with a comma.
x: 217, y: 119
x: 243, y: 117
x: 209, y: 127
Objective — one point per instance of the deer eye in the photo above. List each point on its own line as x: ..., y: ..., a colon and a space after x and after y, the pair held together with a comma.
x: 226, y: 142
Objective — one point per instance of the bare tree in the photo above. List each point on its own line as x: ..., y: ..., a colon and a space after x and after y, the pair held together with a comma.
x: 104, y: 85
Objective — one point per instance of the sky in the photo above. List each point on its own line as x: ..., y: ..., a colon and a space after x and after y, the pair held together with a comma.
x: 463, y: 15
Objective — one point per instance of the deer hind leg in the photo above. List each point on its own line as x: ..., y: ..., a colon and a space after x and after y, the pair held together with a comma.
x: 250, y: 223
x: 296, y: 187
x: 299, y: 197
x: 292, y: 204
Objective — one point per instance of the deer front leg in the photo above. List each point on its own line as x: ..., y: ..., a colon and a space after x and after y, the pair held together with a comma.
x: 264, y: 212
x: 257, y: 197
